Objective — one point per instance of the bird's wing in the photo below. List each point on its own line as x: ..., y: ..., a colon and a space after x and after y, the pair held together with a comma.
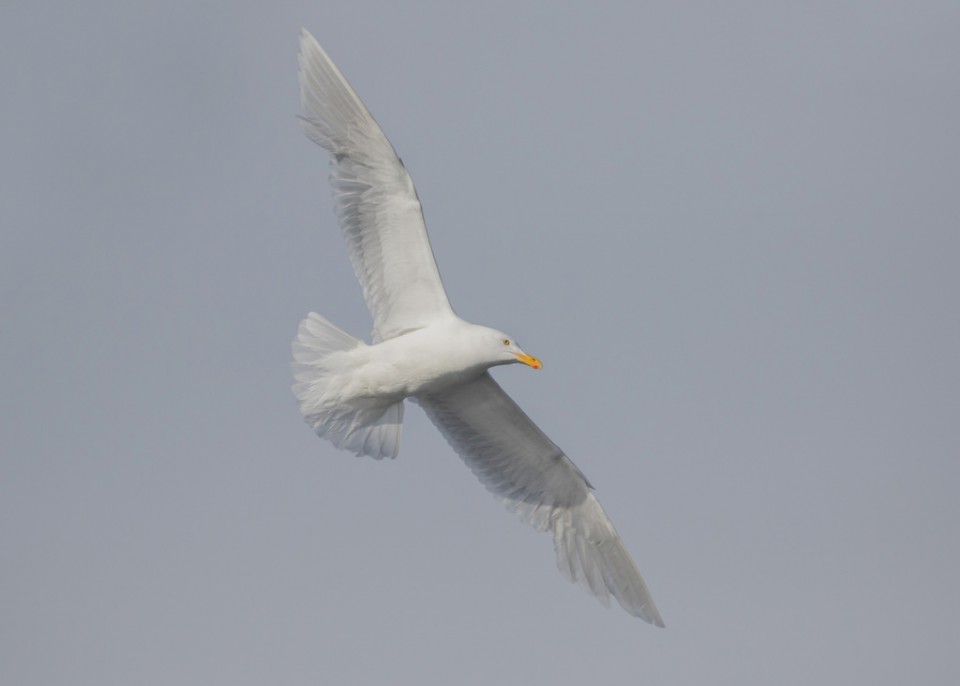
x: 375, y: 200
x: 517, y: 462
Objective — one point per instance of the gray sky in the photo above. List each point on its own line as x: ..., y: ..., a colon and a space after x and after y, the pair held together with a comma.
x: 730, y: 230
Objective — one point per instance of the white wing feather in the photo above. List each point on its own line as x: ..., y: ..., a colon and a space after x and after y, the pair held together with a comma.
x: 516, y: 461
x: 375, y: 200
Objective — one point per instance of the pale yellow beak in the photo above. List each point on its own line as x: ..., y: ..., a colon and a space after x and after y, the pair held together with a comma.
x: 529, y: 359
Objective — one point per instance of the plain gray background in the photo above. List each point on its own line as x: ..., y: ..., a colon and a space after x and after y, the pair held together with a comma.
x: 730, y: 230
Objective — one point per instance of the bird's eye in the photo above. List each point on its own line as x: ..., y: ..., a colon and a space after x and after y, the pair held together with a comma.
x: 506, y: 341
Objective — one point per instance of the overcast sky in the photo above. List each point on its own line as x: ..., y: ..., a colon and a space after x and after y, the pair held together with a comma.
x: 731, y: 231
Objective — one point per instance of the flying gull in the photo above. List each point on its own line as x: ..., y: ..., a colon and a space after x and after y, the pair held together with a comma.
x: 353, y: 393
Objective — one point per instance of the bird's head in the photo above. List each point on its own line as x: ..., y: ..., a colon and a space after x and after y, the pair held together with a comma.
x: 505, y: 351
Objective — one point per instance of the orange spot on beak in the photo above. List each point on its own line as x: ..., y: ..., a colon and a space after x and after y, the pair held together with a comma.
x: 529, y: 359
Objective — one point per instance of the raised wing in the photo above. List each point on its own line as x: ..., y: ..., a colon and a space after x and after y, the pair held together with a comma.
x: 375, y: 200
x: 517, y: 462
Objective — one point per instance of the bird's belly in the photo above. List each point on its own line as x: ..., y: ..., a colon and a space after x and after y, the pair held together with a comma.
x: 398, y: 368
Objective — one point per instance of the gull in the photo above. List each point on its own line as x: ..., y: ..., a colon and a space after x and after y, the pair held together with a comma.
x: 353, y: 393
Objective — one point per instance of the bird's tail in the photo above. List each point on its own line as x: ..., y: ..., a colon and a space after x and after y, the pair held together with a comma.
x: 321, y: 368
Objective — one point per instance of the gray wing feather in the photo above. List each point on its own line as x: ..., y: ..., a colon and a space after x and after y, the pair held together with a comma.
x: 518, y: 463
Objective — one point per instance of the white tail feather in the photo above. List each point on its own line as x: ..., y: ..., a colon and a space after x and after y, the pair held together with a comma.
x: 320, y: 368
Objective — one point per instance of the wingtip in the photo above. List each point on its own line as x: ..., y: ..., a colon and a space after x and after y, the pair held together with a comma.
x: 655, y: 619
x: 308, y: 44
x: 647, y: 612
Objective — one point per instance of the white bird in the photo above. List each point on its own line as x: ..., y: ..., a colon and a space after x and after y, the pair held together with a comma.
x: 352, y: 393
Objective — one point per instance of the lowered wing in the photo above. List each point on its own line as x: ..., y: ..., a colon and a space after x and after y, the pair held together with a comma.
x: 517, y: 462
